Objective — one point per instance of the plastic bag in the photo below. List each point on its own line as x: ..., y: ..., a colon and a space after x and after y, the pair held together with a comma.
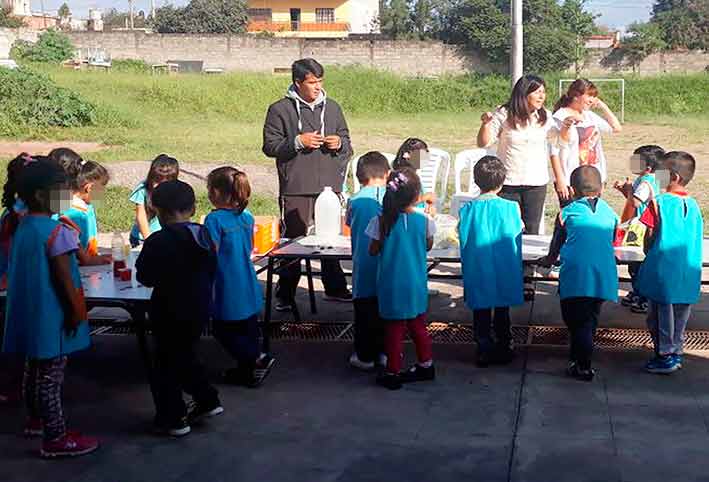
x: 446, y: 232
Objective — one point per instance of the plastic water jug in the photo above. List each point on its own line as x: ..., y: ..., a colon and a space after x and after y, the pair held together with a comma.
x: 327, y: 214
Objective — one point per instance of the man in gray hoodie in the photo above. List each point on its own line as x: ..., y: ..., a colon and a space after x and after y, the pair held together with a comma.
x: 307, y: 134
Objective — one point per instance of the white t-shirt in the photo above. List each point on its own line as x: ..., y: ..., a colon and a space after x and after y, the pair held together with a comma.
x: 585, y: 146
x: 525, y: 150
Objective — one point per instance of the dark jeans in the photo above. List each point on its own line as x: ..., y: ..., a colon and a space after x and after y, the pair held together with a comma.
x: 240, y: 339
x: 581, y: 317
x: 531, y: 203
x: 177, y: 370
x: 633, y: 269
x: 484, y: 322
x: 370, y: 331
x: 297, y: 213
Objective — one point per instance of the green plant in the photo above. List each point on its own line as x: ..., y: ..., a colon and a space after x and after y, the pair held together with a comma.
x: 31, y: 100
x: 202, y: 16
x: 130, y: 65
x: 52, y: 47
x: 9, y: 21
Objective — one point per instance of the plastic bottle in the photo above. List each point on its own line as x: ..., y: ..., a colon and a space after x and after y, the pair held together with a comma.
x: 119, y: 260
x: 327, y: 214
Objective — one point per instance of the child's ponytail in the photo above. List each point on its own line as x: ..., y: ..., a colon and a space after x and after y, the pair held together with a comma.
x: 232, y: 185
x: 9, y: 195
x: 403, y: 188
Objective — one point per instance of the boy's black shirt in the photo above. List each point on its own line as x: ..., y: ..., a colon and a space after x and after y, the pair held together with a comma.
x: 179, y: 262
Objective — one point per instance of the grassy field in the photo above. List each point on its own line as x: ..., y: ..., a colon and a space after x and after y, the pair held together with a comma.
x: 219, y: 119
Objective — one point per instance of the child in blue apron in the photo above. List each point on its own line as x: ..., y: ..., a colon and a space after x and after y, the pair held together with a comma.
x: 401, y: 236
x: 163, y: 168
x: 638, y: 195
x: 46, y: 314
x: 372, y: 173
x: 584, y: 234
x: 87, y: 180
x: 491, y: 255
x: 426, y: 200
x: 670, y: 276
x: 238, y: 298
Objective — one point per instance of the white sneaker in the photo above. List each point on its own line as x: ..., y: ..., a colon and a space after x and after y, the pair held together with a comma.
x: 355, y: 362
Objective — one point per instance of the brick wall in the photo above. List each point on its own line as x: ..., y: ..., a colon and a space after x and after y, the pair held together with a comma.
x: 258, y: 54
x: 609, y: 62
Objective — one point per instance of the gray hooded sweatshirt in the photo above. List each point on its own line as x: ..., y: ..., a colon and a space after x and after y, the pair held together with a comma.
x: 305, y: 172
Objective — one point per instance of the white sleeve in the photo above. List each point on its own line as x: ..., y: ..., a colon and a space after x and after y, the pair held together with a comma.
x: 603, y: 126
x: 643, y: 192
x: 499, y: 117
x: 430, y: 227
x: 372, y: 230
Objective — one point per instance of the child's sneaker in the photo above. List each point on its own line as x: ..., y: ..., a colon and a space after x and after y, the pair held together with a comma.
x: 33, y: 427
x: 198, y: 412
x: 418, y: 373
x: 628, y: 299
x: 179, y: 428
x: 583, y: 374
x: 679, y: 359
x: 355, y: 362
x: 71, y: 444
x: 639, y: 306
x: 262, y: 370
x: 663, y: 365
x: 390, y: 381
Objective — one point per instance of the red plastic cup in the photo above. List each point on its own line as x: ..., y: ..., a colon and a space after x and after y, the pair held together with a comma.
x: 118, y: 265
x: 125, y: 274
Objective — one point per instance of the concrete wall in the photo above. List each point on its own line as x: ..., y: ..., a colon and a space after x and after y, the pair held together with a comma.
x: 8, y: 37
x: 609, y: 62
x: 244, y: 52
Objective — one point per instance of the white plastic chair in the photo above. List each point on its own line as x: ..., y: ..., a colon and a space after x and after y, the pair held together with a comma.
x: 434, y: 175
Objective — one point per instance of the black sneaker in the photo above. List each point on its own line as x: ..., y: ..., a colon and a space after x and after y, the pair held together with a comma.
x: 390, y: 381
x: 628, y: 299
x: 262, y: 370
x: 178, y: 428
x: 582, y: 374
x: 344, y: 297
x: 417, y: 373
x: 198, y: 412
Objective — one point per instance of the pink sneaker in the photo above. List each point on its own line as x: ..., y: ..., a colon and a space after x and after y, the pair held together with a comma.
x: 33, y: 427
x: 72, y: 444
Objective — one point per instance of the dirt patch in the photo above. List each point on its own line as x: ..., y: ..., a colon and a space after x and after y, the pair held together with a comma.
x: 12, y: 148
x: 263, y: 179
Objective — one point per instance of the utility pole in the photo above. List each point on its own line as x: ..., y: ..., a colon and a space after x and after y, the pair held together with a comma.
x: 132, y: 13
x: 517, y: 51
x: 152, y: 9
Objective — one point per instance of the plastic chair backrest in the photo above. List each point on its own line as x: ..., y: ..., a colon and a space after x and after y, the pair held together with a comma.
x: 352, y: 169
x: 466, y: 160
x: 434, y: 175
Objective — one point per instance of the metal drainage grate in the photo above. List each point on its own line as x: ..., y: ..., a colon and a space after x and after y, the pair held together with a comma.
x: 451, y: 333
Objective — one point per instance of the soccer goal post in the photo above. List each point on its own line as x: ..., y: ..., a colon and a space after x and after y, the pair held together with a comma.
x: 596, y: 81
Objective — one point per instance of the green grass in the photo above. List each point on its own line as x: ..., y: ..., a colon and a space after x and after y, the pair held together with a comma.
x: 212, y: 118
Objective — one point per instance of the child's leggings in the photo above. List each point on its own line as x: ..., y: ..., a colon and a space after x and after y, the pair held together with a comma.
x: 42, y: 386
x: 395, y: 331
x: 580, y: 315
x: 240, y: 339
x: 667, y: 324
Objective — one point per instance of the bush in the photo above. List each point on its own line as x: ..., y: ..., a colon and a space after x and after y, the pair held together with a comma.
x: 130, y: 65
x: 9, y: 21
x: 31, y: 100
x: 51, y: 47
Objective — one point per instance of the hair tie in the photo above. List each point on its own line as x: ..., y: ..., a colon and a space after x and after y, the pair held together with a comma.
x: 28, y: 160
x: 83, y: 163
x: 397, y: 181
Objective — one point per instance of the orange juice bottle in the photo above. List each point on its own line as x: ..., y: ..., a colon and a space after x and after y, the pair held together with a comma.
x: 266, y: 233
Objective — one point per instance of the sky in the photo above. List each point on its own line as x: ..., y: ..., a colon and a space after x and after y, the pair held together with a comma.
x: 614, y: 13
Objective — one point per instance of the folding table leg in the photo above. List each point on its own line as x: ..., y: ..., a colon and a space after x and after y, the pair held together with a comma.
x: 311, y: 288
x: 269, y: 299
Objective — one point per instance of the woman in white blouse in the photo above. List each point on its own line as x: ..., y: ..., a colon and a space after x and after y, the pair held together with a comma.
x: 584, y: 146
x: 527, y: 136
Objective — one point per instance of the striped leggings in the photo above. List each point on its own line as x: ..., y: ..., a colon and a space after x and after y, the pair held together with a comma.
x: 42, y: 387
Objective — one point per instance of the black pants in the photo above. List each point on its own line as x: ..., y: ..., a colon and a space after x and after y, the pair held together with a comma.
x: 633, y: 269
x: 297, y: 214
x: 531, y: 203
x: 484, y: 322
x: 177, y: 370
x: 369, y: 329
x: 240, y: 339
x: 581, y: 317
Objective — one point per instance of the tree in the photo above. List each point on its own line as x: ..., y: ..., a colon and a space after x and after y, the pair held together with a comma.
x: 64, y: 12
x: 644, y: 40
x: 8, y: 21
x: 422, y: 19
x: 52, y: 47
x: 581, y: 24
x: 202, y: 16
x: 684, y: 23
x: 114, y: 18
x: 395, y: 19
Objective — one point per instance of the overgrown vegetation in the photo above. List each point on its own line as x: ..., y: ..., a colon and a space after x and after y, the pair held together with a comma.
x: 7, y: 20
x: 202, y: 16
x: 31, y: 102
x: 52, y: 46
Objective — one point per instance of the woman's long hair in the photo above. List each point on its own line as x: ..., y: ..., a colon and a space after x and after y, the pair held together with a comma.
x: 577, y: 88
x: 518, y: 111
